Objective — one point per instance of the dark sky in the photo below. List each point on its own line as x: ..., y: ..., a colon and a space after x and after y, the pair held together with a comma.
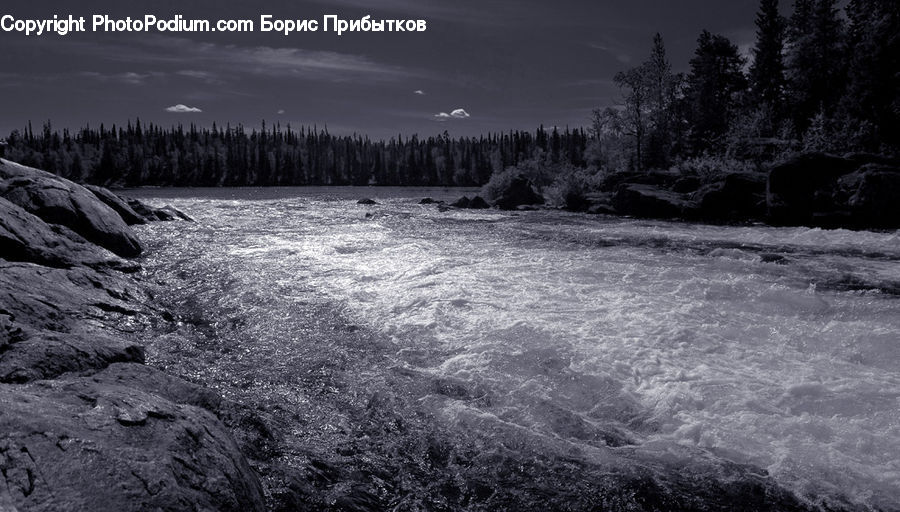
x: 509, y: 64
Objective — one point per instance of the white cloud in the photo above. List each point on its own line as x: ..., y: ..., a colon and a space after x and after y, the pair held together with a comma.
x: 183, y: 109
x: 455, y: 114
x: 420, y: 92
x: 281, y: 111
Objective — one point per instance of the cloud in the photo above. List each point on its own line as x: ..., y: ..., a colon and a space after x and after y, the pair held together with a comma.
x: 281, y: 111
x: 419, y: 92
x: 183, y: 109
x: 455, y: 114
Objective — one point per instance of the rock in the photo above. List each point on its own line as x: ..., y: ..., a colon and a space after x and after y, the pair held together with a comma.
x: 462, y: 202
x: 46, y: 355
x: 478, y: 203
x: 366, y: 200
x: 94, y: 443
x: 25, y: 237
x: 804, y: 185
x: 686, y: 184
x: 429, y: 200
x: 519, y: 191
x: 66, y: 300
x: 59, y: 201
x: 151, y: 214
x: 650, y: 202
x: 172, y: 213
x: 874, y: 195
x: 740, y: 196
x: 118, y: 204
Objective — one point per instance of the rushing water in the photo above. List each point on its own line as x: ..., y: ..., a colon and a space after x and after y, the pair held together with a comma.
x: 421, y: 358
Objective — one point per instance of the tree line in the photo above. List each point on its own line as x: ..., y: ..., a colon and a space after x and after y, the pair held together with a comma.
x: 136, y: 155
x: 818, y: 80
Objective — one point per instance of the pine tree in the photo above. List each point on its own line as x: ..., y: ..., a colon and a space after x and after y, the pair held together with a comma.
x: 715, y: 82
x: 767, y: 71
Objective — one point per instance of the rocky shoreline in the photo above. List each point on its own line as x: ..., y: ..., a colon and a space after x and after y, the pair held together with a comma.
x: 85, y: 425
x: 854, y: 191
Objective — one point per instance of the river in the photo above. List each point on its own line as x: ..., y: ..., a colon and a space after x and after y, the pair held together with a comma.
x: 415, y: 358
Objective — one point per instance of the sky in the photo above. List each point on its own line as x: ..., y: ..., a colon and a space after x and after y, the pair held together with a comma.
x: 479, y: 67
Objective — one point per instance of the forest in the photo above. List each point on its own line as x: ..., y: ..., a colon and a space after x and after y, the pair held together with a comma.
x: 823, y: 78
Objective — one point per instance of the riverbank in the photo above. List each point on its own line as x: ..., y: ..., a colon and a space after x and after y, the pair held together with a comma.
x: 85, y: 424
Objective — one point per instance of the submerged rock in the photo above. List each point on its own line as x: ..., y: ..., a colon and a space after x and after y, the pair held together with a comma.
x: 59, y: 201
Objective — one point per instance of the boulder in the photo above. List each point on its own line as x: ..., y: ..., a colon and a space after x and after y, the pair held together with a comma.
x: 94, y: 443
x: 25, y: 237
x: 366, y: 200
x: 462, y: 202
x: 739, y: 196
x: 66, y: 300
x: 478, y: 203
x: 649, y: 201
x: 873, y: 195
x: 46, y: 355
x: 803, y: 185
x: 118, y: 204
x: 519, y: 191
x: 151, y: 214
x: 687, y: 184
x: 59, y: 201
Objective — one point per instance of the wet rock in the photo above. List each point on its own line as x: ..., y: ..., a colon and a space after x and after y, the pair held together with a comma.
x: 873, y: 193
x: 803, y: 185
x: 25, y: 237
x: 519, y: 191
x: 478, y: 203
x: 46, y: 355
x: 366, y: 200
x: 686, y: 184
x: 475, y: 203
x: 856, y: 191
x: 118, y: 204
x: 59, y: 201
x: 649, y: 201
x: 151, y: 214
x: 90, y: 443
x: 462, y: 202
x: 65, y: 300
x: 740, y: 196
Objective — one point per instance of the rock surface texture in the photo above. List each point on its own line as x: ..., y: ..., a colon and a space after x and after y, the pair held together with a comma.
x: 84, y: 424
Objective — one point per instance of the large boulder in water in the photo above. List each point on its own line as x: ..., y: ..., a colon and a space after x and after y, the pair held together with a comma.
x: 802, y: 186
x: 873, y: 195
x: 59, y: 201
x: 104, y: 443
x: 739, y: 196
x: 857, y: 191
x: 650, y: 202
x: 520, y: 191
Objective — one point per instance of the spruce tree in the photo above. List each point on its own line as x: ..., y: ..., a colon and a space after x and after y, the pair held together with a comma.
x: 767, y: 71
